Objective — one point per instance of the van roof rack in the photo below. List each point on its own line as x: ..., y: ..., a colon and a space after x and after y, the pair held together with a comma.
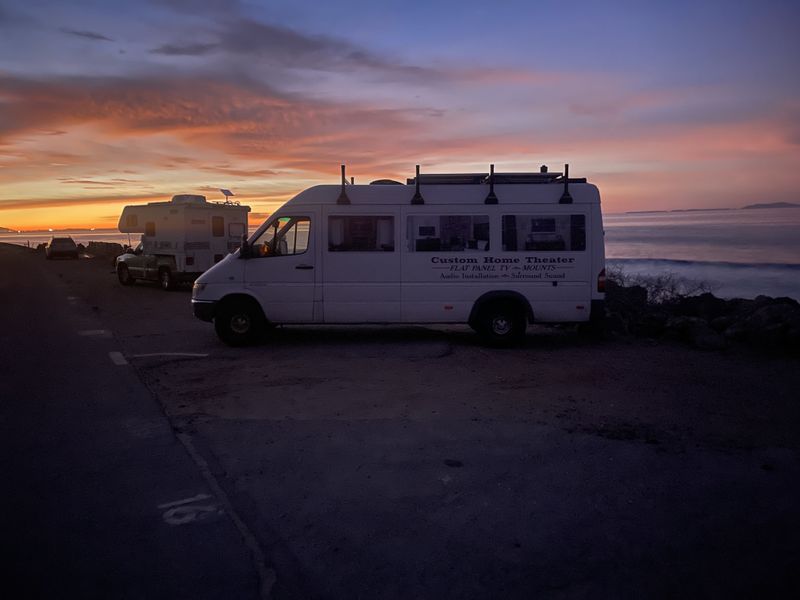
x: 483, y: 178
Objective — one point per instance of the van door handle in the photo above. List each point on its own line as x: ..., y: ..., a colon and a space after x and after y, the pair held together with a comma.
x: 304, y: 267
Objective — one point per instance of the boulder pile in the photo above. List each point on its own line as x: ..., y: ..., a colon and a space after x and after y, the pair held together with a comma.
x: 705, y: 321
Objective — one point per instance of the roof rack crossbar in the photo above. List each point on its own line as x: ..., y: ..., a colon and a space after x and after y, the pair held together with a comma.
x: 483, y: 178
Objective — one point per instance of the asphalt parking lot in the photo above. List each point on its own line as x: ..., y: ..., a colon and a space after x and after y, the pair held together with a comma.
x: 396, y: 462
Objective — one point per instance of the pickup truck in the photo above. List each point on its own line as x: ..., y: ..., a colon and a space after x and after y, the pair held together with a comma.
x: 133, y: 264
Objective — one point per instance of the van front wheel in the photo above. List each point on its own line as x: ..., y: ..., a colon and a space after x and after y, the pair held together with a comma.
x: 239, y: 322
x: 502, y: 324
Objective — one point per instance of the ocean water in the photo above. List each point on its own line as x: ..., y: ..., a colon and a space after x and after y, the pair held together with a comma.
x: 739, y: 253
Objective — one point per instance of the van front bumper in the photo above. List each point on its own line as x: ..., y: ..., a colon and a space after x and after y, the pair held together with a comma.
x: 204, y: 309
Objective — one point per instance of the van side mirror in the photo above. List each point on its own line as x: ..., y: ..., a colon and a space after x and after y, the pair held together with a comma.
x: 244, y: 249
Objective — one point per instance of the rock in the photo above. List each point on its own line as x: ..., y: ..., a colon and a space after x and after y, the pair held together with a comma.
x: 625, y: 299
x: 680, y: 327
x: 720, y: 324
x: 708, y: 339
x: 736, y: 331
x: 706, y: 306
x: 651, y: 324
x: 695, y: 331
x: 104, y: 249
x: 770, y: 325
x: 616, y: 324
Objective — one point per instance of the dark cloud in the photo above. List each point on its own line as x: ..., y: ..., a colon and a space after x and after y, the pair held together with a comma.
x: 185, y: 50
x: 89, y: 35
x: 194, y: 7
x: 280, y: 47
x: 284, y: 47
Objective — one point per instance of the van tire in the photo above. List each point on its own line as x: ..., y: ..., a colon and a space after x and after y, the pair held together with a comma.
x: 239, y: 322
x: 502, y: 323
x: 124, y: 275
x: 165, y: 279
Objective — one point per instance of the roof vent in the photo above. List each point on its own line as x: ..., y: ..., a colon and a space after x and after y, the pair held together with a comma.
x: 417, y: 198
x: 343, y: 199
x: 385, y: 182
x: 491, y: 198
x: 565, y: 197
x: 543, y: 169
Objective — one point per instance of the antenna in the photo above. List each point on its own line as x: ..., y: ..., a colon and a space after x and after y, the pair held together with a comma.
x: 343, y: 199
x: 491, y: 198
x: 565, y: 197
x: 417, y: 199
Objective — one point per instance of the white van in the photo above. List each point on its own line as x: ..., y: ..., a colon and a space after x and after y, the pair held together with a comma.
x: 496, y: 251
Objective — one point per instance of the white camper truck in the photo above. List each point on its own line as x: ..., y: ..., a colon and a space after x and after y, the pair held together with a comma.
x: 180, y: 238
x: 496, y: 251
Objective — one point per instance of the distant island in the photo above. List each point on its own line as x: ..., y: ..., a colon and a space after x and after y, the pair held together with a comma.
x: 685, y: 210
x: 6, y: 230
x: 774, y: 205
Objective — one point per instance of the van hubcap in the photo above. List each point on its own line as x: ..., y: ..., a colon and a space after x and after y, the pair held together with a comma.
x: 240, y: 323
x: 501, y: 325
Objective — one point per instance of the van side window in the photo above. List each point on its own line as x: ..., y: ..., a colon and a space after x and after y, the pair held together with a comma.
x: 451, y: 233
x: 286, y: 236
x: 361, y: 233
x: 544, y: 233
x: 218, y: 226
x: 150, y: 228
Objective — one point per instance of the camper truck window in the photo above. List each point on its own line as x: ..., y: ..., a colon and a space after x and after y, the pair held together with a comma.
x: 236, y: 230
x: 450, y: 233
x: 218, y: 226
x: 286, y: 236
x: 150, y: 228
x: 543, y: 233
x: 361, y: 234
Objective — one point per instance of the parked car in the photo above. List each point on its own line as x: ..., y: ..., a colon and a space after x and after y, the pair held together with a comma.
x: 61, y: 247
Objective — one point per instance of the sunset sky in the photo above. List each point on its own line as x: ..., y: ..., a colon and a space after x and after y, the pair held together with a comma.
x: 679, y: 104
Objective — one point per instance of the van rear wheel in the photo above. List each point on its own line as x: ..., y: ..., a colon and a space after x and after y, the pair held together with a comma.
x: 239, y: 322
x: 502, y: 323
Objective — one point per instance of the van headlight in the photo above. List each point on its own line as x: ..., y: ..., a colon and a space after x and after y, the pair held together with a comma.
x: 197, y: 289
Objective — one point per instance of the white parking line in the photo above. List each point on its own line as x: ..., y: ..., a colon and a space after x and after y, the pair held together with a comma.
x: 184, y: 501
x: 117, y: 358
x: 189, y: 354
x: 94, y: 332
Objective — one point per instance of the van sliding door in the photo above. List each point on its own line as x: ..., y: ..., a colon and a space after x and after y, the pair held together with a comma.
x: 361, y: 265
